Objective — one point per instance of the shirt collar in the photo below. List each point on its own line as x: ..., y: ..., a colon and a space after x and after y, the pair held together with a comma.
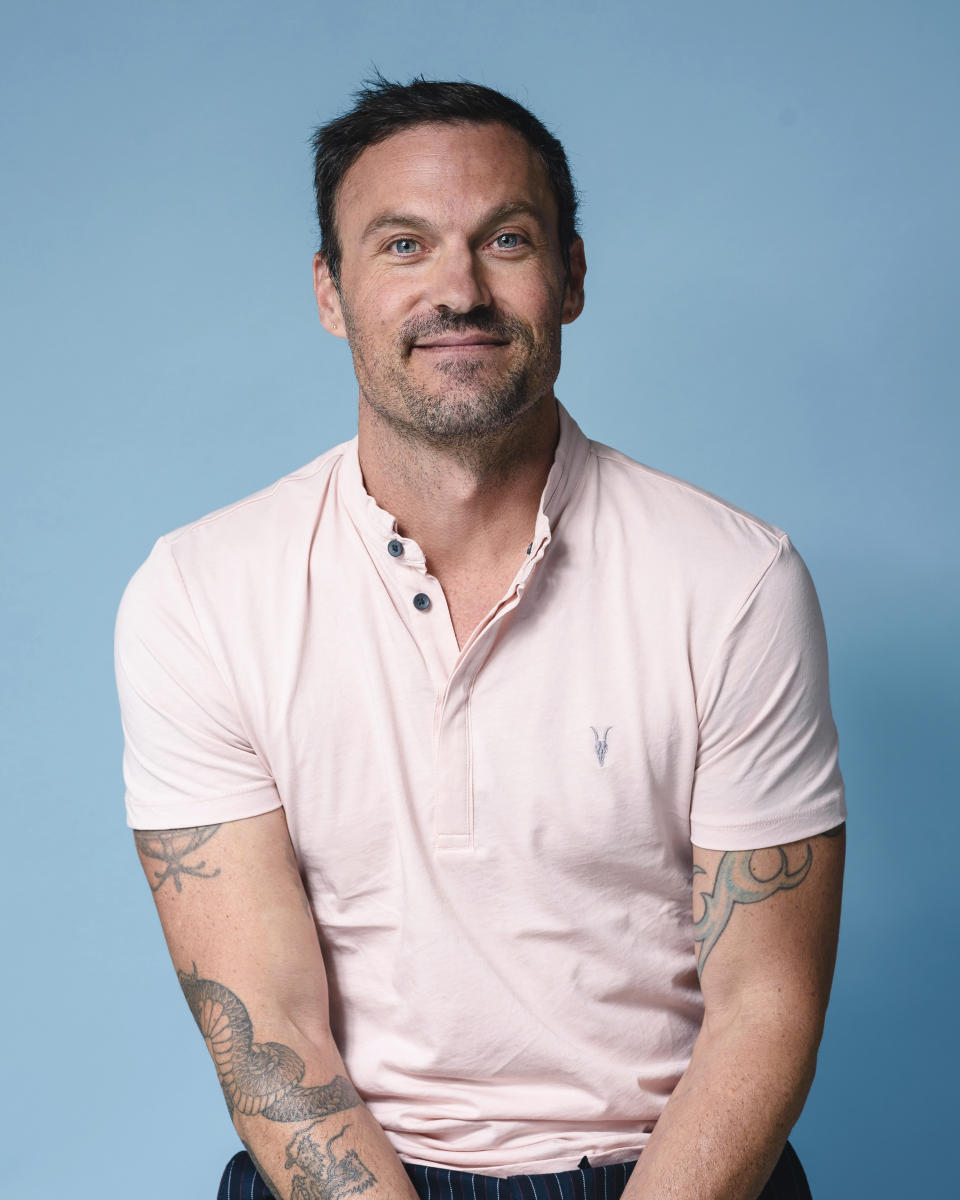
x: 566, y: 474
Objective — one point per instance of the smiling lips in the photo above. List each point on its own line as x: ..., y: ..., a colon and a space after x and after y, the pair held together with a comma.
x: 459, y: 343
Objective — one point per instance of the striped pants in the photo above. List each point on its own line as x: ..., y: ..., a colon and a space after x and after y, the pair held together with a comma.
x: 241, y: 1182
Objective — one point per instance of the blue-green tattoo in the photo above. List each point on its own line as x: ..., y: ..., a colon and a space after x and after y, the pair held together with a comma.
x: 737, y: 883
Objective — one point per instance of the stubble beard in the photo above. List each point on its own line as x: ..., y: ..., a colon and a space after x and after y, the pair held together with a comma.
x: 471, y: 400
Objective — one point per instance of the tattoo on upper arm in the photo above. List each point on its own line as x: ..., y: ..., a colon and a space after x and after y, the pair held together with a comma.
x: 738, y: 882
x: 257, y: 1078
x: 171, y: 846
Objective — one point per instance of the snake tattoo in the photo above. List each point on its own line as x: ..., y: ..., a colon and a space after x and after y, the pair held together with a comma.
x: 257, y: 1078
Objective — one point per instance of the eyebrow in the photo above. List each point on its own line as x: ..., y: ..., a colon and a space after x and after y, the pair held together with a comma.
x: 503, y: 212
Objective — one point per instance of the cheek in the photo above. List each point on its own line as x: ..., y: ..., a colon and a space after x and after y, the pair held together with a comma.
x: 536, y: 300
x: 371, y: 326
x: 386, y: 308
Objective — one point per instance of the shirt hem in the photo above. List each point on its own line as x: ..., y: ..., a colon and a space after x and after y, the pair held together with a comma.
x: 541, y: 1166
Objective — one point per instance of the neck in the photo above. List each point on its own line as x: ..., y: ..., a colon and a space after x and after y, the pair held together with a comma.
x: 471, y: 501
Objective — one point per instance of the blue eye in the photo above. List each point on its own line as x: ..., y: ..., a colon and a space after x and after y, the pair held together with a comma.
x: 508, y: 241
x: 405, y: 246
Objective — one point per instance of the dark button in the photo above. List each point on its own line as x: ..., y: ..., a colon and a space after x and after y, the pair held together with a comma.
x: 530, y: 547
x: 421, y: 601
x: 395, y: 547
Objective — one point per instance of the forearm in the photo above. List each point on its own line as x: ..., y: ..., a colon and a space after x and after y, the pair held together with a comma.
x: 307, y: 1130
x: 726, y: 1123
x: 342, y: 1155
x: 242, y: 936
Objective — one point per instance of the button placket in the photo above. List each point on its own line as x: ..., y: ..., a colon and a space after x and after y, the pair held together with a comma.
x: 453, y: 745
x: 453, y: 740
x: 396, y: 549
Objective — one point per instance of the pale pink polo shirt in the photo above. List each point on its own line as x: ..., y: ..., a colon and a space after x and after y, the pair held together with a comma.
x: 496, y: 841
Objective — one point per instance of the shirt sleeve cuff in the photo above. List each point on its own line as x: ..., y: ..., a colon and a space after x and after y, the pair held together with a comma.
x: 775, y: 832
x: 188, y: 812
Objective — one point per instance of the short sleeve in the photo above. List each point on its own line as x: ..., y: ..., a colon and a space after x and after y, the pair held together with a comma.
x: 767, y: 764
x: 186, y: 759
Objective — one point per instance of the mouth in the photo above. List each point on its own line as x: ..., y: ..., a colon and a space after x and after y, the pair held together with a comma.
x: 461, y: 343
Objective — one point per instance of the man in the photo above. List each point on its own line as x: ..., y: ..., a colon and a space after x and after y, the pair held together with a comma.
x: 485, y: 779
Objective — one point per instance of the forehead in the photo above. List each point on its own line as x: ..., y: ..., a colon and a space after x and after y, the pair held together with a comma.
x: 436, y: 168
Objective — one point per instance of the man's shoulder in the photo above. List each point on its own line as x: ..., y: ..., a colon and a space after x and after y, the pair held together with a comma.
x: 677, y: 512
x: 242, y: 541
x: 266, y: 513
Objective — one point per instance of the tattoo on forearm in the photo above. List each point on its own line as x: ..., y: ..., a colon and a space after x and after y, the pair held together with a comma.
x: 329, y: 1172
x: 737, y: 882
x: 171, y: 846
x: 257, y: 1078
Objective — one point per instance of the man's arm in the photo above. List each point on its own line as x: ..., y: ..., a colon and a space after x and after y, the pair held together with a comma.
x: 765, y: 926
x: 245, y: 947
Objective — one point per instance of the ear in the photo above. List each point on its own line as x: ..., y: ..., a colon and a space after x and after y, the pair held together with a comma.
x: 573, y: 294
x: 328, y: 298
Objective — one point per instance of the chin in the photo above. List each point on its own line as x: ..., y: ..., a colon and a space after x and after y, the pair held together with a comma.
x: 456, y: 415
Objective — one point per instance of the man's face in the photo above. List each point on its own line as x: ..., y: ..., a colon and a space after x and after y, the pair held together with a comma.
x: 452, y: 287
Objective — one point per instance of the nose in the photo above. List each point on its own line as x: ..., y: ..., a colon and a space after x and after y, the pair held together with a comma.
x: 457, y: 283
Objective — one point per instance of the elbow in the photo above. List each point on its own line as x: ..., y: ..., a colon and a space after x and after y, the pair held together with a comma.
x: 778, y: 1040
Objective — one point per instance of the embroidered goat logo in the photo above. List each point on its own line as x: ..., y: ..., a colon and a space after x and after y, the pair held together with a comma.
x: 600, y: 744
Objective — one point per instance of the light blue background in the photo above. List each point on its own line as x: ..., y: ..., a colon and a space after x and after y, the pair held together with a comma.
x: 770, y: 201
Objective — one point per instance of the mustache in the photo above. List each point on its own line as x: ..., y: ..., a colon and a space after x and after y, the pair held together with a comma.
x: 478, y: 320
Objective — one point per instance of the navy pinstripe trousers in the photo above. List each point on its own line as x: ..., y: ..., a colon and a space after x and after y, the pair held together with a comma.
x: 241, y: 1182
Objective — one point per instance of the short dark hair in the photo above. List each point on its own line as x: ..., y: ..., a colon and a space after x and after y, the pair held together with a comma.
x: 383, y: 108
